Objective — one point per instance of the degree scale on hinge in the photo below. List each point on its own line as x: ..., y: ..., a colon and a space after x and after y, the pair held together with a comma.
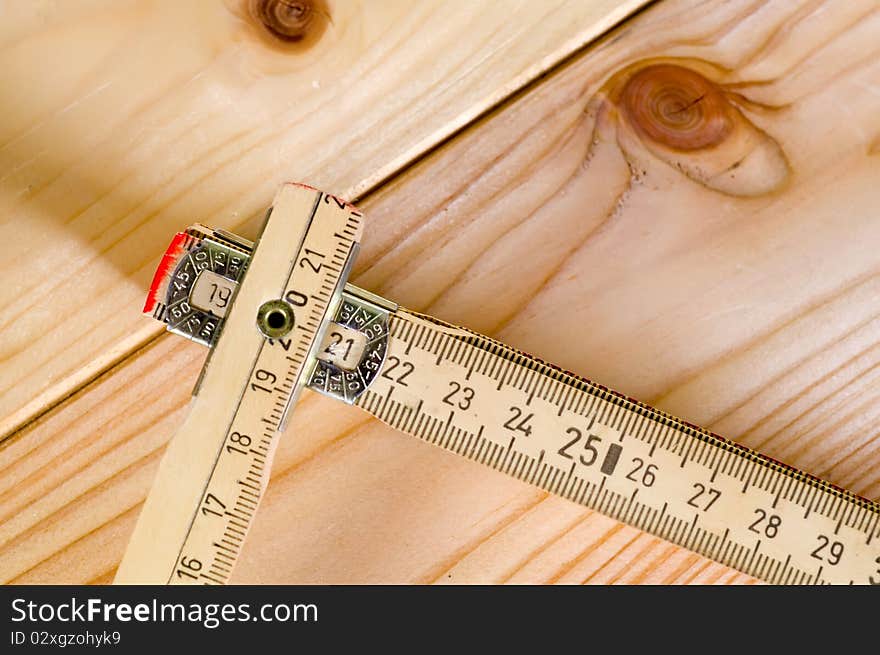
x: 280, y: 316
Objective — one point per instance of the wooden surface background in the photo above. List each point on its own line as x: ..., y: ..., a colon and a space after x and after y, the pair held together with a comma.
x: 686, y: 209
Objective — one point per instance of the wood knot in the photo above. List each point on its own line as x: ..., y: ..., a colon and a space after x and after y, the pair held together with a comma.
x: 289, y: 22
x: 677, y: 107
x: 676, y: 110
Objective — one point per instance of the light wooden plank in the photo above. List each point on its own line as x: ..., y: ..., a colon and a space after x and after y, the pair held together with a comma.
x: 751, y: 314
x: 123, y: 121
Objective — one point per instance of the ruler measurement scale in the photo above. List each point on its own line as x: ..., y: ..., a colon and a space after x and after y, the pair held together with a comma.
x: 640, y: 466
x: 240, y: 470
x: 216, y: 468
x: 456, y: 389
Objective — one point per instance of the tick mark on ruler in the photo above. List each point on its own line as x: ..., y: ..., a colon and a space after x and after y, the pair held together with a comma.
x: 561, y: 407
x: 654, y: 444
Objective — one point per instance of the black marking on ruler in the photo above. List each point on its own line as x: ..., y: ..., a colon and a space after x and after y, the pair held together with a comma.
x: 524, y: 382
x: 808, y: 501
x: 624, y: 428
x: 780, y: 488
x: 777, y: 570
x: 481, y: 360
x: 504, y: 369
x: 409, y: 342
x: 748, y: 566
x: 700, y: 545
x: 441, y: 351
x: 528, y: 469
x: 545, y: 387
x: 872, y: 529
x: 563, y: 400
x: 478, y: 437
x: 705, y: 451
x: 826, y: 501
x: 381, y: 412
x: 611, y: 457
x: 639, y: 430
x: 631, y: 500
x: 718, y: 545
x: 637, y: 520
x: 229, y: 528
x: 220, y: 566
x: 748, y: 474
x: 534, y: 388
x: 845, y: 513
x: 467, y: 445
x: 430, y: 428
x: 470, y: 366
x: 396, y: 407
x: 602, y: 413
x: 499, y: 452
x: 433, y: 338
x: 555, y: 391
x: 597, y: 491
x: 412, y: 419
x: 220, y: 546
x: 490, y: 366
x: 520, y: 372
x: 865, y: 521
x: 658, y: 435
x: 687, y: 451
x: 616, y: 417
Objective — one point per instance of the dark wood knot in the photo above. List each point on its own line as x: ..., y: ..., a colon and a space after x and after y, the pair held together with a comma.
x: 290, y: 22
x: 680, y: 113
x: 676, y: 106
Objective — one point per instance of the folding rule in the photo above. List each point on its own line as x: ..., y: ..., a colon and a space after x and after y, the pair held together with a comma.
x: 278, y: 316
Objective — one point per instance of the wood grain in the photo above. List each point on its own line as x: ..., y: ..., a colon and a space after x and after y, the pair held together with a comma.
x: 123, y: 121
x: 726, y: 275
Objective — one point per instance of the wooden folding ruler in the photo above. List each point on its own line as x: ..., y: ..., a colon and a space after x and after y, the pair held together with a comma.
x: 278, y: 315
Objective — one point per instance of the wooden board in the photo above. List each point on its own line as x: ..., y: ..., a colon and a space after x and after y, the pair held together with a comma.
x: 687, y: 213
x: 123, y: 121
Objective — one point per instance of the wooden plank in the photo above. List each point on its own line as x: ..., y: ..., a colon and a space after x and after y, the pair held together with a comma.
x: 124, y: 120
x: 749, y: 313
